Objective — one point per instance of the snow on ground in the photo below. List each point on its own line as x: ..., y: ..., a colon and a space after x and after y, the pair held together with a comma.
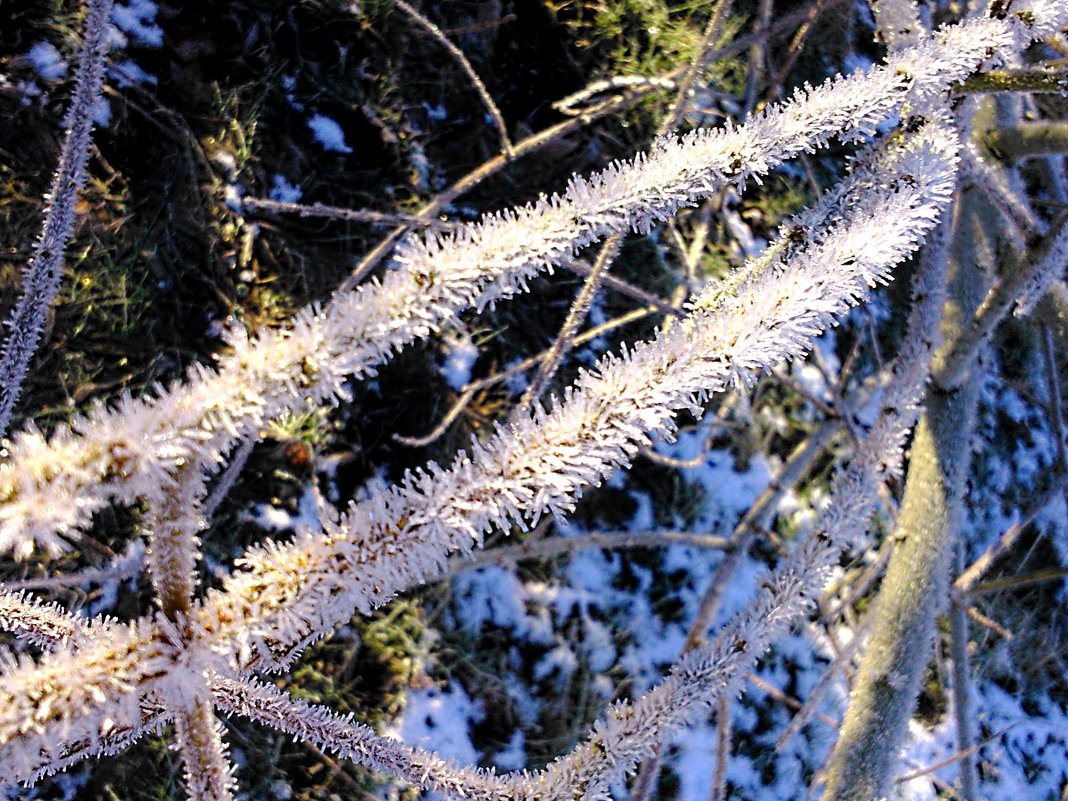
x: 282, y: 190
x: 129, y: 73
x: 328, y: 133
x: 136, y: 19
x: 47, y: 61
x: 460, y: 353
x: 439, y: 719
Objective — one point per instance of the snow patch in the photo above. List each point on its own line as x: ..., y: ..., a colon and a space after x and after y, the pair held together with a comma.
x: 461, y: 353
x: 129, y: 73
x: 283, y: 191
x: 47, y: 61
x: 440, y: 720
x: 137, y: 19
x: 328, y: 133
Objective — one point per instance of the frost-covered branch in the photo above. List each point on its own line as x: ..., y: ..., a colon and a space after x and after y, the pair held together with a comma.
x: 992, y: 179
x: 289, y: 596
x: 356, y: 742
x: 205, y: 759
x: 916, y: 582
x: 173, y: 544
x: 619, y: 741
x: 124, y: 453
x: 76, y: 694
x: 34, y: 766
x: 104, y: 685
x: 173, y: 547
x: 95, y: 693
x: 1023, y: 287
x: 43, y: 624
x: 629, y: 731
x: 44, y: 272
x: 1026, y: 139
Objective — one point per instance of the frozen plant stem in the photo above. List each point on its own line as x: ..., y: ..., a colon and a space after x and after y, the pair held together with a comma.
x: 207, y: 768
x: 565, y: 338
x: 916, y: 585
x: 756, y: 519
x: 42, y: 624
x: 43, y: 274
x: 1020, y: 80
x: 465, y: 65
x: 95, y: 691
x: 1022, y: 285
x: 1026, y: 139
x: 963, y: 708
x: 172, y: 524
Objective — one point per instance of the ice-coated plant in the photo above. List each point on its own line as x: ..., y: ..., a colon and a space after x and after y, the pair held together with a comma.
x: 98, y: 685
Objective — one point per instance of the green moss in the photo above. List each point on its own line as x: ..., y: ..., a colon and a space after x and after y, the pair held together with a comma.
x: 648, y: 38
x: 641, y: 37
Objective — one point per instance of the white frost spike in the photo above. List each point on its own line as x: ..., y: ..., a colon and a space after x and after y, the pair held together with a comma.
x: 43, y: 624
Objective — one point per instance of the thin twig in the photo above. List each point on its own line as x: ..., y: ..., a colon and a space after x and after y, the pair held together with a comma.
x: 1055, y: 407
x: 796, y: 45
x: 554, y: 546
x: 575, y: 316
x: 226, y: 481
x: 1040, y: 576
x: 615, y: 83
x: 988, y: 623
x: 420, y: 442
x: 963, y: 708
x: 590, y: 333
x: 807, y: 710
x: 580, y: 267
x: 690, y: 255
x: 993, y: 309
x: 124, y: 566
x: 1019, y: 80
x: 967, y: 581
x: 43, y: 275
x: 708, y: 423
x: 487, y: 169
x: 758, y: 56
x: 916, y: 774
x: 788, y: 381
x: 783, y: 698
x: 705, y: 53
x: 723, y: 748
x: 467, y: 392
x: 342, y: 213
x: 465, y: 65
x: 755, y: 520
